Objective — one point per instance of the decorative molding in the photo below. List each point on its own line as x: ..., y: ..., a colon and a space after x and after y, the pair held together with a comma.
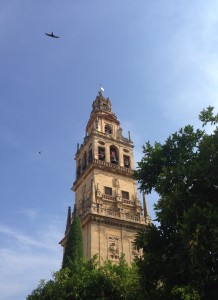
x: 113, y: 248
x: 134, y: 251
x: 115, y: 183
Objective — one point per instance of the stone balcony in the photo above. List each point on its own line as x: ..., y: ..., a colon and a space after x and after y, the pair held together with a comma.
x: 107, y: 166
x: 123, y: 201
x: 115, y: 215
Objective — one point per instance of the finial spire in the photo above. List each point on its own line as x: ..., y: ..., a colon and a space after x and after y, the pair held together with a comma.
x: 146, y: 213
x: 129, y: 135
x: 68, y: 219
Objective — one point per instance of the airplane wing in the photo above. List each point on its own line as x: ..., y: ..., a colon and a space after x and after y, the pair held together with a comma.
x: 52, y: 35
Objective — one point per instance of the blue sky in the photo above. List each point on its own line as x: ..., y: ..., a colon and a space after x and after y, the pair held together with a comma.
x: 158, y: 63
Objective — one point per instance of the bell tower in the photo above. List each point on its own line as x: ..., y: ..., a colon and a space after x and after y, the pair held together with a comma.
x: 106, y: 196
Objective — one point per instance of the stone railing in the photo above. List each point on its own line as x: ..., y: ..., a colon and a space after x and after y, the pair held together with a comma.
x: 108, y: 197
x: 114, y: 214
x: 105, y: 164
x: 121, y: 138
x: 114, y: 166
x: 125, y: 201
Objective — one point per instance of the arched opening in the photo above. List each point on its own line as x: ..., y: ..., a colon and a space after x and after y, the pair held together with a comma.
x: 108, y: 129
x: 101, y: 153
x: 114, y: 158
x: 126, y: 161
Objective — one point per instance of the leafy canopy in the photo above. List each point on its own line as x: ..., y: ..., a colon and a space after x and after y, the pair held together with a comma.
x: 181, y: 252
x: 87, y: 281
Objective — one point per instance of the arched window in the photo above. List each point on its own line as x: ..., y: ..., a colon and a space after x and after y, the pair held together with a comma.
x: 114, y: 155
x: 126, y: 161
x: 108, y: 129
x: 101, y: 153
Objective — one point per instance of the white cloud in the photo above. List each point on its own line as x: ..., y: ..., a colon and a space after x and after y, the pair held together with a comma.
x: 20, y: 238
x: 30, y: 213
x: 28, y: 259
x: 21, y: 271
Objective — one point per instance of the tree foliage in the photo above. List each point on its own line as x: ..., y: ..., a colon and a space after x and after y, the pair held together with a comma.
x: 87, y: 281
x: 180, y: 258
x: 74, y: 246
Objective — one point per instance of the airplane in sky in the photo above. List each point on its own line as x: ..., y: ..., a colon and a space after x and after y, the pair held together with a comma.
x: 52, y: 35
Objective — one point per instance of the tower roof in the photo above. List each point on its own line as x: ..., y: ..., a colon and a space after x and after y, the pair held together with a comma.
x: 101, y: 107
x: 101, y: 103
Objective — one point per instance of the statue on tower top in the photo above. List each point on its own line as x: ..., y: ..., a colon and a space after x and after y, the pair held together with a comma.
x: 101, y: 89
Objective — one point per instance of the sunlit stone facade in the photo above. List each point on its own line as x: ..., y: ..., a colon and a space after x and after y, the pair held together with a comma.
x: 106, y: 196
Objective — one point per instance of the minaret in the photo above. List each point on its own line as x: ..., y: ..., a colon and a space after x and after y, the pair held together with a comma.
x: 105, y: 192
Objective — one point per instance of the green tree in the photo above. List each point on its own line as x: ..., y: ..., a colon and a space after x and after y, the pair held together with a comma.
x: 74, y: 246
x: 180, y: 259
x: 88, y: 281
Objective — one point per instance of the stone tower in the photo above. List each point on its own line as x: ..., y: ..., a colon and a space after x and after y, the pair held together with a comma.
x: 105, y: 193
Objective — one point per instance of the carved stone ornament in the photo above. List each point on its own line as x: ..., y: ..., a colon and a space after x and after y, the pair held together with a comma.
x: 116, y: 182
x: 135, y: 251
x: 96, y: 123
x: 118, y: 198
x: 98, y: 192
x: 113, y: 248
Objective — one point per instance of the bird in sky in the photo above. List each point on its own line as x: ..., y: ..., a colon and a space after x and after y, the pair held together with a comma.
x: 52, y: 35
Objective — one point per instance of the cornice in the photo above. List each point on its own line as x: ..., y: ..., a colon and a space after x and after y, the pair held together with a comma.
x: 107, y: 220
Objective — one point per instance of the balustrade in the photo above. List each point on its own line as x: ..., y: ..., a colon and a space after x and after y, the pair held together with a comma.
x: 113, y: 214
x: 102, y: 163
x: 108, y: 197
x: 128, y: 202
